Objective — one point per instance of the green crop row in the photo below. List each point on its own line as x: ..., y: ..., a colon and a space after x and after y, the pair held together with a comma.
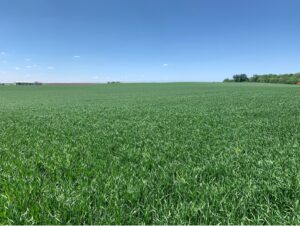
x: 178, y: 153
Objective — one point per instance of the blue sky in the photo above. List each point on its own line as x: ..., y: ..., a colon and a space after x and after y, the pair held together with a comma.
x: 146, y: 40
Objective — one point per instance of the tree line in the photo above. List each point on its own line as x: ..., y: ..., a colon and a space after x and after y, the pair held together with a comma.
x: 267, y: 78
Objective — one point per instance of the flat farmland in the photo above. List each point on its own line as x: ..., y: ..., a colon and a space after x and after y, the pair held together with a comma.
x: 174, y: 153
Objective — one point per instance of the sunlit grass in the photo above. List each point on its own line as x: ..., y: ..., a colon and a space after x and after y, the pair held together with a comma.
x: 182, y: 153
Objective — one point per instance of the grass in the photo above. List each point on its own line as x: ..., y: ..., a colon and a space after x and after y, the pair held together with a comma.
x: 181, y: 153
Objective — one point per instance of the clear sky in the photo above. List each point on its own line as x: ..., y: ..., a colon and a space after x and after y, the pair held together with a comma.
x: 146, y: 40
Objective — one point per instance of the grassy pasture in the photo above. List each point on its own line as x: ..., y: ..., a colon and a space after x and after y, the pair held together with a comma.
x: 178, y: 153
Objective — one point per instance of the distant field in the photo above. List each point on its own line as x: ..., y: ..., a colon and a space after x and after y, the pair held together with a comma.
x: 181, y: 153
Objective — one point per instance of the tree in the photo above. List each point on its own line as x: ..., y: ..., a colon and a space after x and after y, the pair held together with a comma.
x: 254, y: 78
x: 240, y: 78
x: 267, y: 78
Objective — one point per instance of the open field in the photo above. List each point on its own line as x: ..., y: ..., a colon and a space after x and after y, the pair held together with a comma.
x: 181, y: 153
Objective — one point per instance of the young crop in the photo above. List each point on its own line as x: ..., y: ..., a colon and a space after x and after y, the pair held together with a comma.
x: 178, y: 153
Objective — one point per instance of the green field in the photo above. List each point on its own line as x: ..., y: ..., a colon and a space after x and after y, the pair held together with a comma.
x: 177, y: 153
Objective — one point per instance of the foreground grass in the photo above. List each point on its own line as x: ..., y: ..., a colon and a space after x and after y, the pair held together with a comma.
x: 150, y: 153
